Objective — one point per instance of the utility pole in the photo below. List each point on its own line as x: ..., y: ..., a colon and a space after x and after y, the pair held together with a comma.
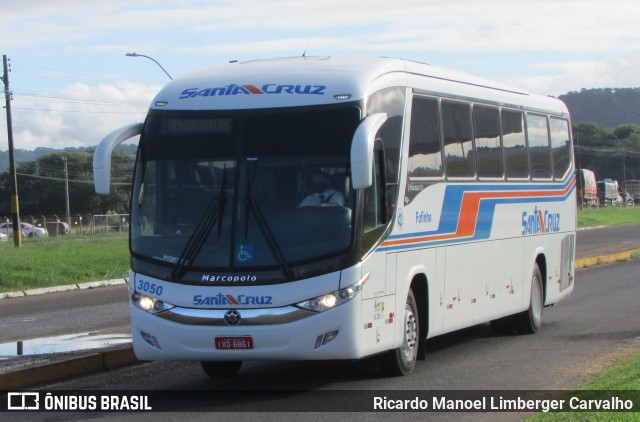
x: 15, y: 209
x: 66, y: 190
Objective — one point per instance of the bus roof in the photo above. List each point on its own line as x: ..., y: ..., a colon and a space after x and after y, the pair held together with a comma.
x: 302, y: 81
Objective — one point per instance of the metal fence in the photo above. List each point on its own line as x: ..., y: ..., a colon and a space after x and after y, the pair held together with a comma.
x: 110, y: 223
x: 77, y: 225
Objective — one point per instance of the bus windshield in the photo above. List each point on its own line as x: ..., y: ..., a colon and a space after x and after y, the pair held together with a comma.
x: 236, y: 190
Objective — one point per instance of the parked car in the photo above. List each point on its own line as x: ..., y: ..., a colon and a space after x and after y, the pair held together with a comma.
x: 58, y: 228
x: 27, y: 230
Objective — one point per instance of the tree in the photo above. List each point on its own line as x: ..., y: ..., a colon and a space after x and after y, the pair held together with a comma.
x: 607, y: 151
x: 41, y: 185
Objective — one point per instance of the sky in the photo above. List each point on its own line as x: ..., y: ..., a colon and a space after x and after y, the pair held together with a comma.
x: 72, y: 83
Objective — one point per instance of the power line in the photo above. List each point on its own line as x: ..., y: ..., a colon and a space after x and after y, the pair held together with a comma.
x: 62, y: 179
x: 96, y: 101
x: 51, y: 73
x: 72, y: 111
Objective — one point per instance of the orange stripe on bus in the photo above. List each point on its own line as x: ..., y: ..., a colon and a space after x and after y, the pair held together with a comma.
x: 469, y: 209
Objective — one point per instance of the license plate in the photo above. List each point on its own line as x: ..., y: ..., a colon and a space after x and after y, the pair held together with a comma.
x: 234, y: 343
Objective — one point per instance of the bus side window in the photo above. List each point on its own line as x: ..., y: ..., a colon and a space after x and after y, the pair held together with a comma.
x: 539, y: 154
x: 486, y: 129
x: 459, y: 154
x: 425, y: 152
x: 514, y: 142
x: 560, y: 147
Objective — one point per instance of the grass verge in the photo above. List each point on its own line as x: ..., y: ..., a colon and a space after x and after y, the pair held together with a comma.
x: 622, y: 380
x: 610, y: 216
x: 61, y: 260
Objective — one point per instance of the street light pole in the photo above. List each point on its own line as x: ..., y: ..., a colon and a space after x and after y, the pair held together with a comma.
x: 150, y: 58
x: 15, y: 209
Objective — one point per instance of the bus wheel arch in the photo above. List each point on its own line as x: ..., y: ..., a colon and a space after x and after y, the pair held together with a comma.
x: 528, y: 321
x: 541, y: 262
x: 402, y: 360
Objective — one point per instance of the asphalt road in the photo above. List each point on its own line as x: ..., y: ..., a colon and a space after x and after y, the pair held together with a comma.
x: 599, y: 324
x: 606, y: 240
x: 104, y: 310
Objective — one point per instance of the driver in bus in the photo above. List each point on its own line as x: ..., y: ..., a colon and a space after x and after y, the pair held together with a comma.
x: 321, y: 194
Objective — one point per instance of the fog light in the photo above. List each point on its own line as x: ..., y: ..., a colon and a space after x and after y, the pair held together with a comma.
x: 326, y: 338
x: 329, y: 337
x: 152, y: 340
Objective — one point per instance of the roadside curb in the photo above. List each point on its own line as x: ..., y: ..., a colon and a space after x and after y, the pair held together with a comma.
x: 606, y: 259
x: 68, y: 368
x: 65, y: 288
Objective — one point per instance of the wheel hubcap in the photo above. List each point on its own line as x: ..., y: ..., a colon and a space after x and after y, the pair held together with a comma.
x: 410, y: 340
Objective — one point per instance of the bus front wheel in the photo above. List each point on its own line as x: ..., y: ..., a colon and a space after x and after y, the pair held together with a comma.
x: 402, y: 360
x: 222, y: 368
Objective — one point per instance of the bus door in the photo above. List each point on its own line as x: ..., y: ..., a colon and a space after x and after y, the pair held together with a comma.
x: 378, y: 296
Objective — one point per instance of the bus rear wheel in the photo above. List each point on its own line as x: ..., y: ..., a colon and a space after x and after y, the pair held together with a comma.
x: 402, y: 360
x: 221, y: 369
x: 530, y: 321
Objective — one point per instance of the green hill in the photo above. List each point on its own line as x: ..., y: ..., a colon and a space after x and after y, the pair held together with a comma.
x: 608, y: 107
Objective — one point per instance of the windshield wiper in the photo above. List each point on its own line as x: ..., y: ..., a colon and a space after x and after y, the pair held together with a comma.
x: 251, y: 205
x: 214, y: 213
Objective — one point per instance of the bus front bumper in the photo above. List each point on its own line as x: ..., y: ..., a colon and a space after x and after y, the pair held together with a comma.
x: 286, y: 333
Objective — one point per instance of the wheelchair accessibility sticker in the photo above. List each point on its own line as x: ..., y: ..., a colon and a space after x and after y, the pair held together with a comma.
x: 245, y: 253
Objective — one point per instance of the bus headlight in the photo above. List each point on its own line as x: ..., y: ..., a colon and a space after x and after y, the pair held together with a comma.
x: 149, y: 304
x: 333, y: 299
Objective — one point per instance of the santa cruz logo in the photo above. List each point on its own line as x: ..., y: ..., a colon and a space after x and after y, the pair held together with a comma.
x: 540, y: 222
x: 222, y: 299
x: 234, y: 89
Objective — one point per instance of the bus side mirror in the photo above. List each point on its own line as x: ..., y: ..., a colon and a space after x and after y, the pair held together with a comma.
x: 362, y: 150
x: 102, y: 156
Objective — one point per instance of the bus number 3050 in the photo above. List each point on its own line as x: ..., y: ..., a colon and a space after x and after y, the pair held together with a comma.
x: 150, y: 288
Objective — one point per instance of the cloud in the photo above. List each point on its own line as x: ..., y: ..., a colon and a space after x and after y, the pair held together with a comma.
x: 463, y: 25
x: 556, y: 78
x: 81, y: 116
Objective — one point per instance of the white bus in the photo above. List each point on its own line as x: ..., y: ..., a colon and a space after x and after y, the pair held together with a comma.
x: 319, y: 208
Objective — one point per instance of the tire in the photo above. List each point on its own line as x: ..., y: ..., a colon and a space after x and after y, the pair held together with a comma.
x: 222, y: 368
x: 530, y: 321
x: 401, y: 361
